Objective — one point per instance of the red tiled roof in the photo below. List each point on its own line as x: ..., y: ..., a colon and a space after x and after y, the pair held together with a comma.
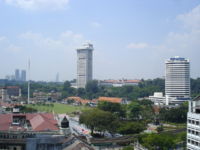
x: 5, y: 121
x: 131, y: 81
x: 38, y: 121
x: 78, y: 99
x: 110, y: 99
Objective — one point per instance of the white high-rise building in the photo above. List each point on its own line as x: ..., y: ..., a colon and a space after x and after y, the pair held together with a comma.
x: 177, y: 80
x: 193, y: 125
x: 84, y: 65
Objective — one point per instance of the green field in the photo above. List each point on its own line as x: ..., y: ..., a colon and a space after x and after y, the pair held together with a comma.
x: 56, y: 108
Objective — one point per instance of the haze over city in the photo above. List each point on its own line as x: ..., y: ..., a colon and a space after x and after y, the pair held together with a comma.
x: 131, y: 38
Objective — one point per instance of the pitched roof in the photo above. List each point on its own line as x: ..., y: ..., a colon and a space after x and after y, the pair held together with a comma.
x: 110, y: 99
x: 78, y: 99
x: 38, y: 121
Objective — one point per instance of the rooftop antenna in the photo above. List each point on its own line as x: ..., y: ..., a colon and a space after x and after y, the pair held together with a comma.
x: 28, y: 80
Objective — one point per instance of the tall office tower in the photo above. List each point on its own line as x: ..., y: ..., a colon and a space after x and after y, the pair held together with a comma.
x: 17, y: 75
x: 23, y: 75
x: 177, y: 79
x: 57, y: 77
x: 84, y: 65
x: 193, y: 125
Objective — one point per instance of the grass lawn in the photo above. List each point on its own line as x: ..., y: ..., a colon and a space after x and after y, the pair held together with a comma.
x: 57, y: 108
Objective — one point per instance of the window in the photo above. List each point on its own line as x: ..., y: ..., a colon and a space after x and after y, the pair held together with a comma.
x: 188, y: 140
x: 197, y: 122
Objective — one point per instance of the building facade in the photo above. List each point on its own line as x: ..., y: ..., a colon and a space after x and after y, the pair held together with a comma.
x: 193, y: 125
x: 23, y: 75
x: 17, y: 75
x: 177, y: 79
x: 84, y: 65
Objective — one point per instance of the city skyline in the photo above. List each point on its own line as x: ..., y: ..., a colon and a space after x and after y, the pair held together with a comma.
x: 132, y: 38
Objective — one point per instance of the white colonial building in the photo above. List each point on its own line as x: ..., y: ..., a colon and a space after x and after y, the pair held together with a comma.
x: 193, y: 125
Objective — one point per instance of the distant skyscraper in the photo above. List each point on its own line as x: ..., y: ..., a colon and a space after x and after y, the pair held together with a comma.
x: 17, y: 75
x: 84, y: 65
x: 57, y: 77
x: 177, y: 78
x: 23, y: 75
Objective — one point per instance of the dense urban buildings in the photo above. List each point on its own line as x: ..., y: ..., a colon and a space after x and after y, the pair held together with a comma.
x: 84, y: 65
x: 33, y: 131
x: 193, y: 125
x: 18, y: 76
x: 177, y: 79
x: 9, y: 92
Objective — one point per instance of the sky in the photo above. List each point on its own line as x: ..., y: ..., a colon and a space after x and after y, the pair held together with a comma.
x: 131, y: 38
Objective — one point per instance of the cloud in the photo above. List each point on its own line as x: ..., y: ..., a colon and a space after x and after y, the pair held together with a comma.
x: 137, y: 45
x: 184, y: 42
x: 187, y: 40
x: 191, y: 20
x: 96, y: 24
x: 38, y: 4
x: 2, y: 38
x: 14, y: 48
x: 65, y: 40
x: 71, y: 35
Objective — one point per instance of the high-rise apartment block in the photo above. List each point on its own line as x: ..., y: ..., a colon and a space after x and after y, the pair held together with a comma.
x: 177, y: 79
x: 193, y: 125
x: 84, y: 65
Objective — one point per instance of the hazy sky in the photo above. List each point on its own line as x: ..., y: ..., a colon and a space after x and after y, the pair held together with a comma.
x: 132, y: 38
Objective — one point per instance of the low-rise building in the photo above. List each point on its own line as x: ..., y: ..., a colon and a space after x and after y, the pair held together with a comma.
x: 112, y: 100
x: 37, y: 131
x: 10, y: 92
x: 158, y: 98
x: 77, y: 100
x: 119, y: 83
x: 44, y: 96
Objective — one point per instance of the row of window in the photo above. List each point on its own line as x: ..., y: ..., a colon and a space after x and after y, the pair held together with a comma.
x: 193, y: 122
x: 14, y: 136
x: 193, y: 132
x: 193, y: 142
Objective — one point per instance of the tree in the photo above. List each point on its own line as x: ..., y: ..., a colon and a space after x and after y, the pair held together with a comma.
x: 131, y: 127
x: 134, y: 110
x: 158, y: 141
x: 115, y: 108
x: 81, y: 92
x: 176, y: 115
x: 68, y: 90
x: 99, y: 120
x: 128, y: 148
x: 66, y: 85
